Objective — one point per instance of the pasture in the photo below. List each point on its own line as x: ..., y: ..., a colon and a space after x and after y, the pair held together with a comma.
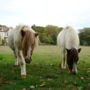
x: 44, y: 72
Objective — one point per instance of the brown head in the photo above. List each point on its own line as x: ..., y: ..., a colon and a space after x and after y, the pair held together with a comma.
x: 72, y: 59
x: 27, y: 43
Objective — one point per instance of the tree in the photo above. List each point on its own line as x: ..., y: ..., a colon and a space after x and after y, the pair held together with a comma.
x: 41, y: 31
x: 48, y: 34
x: 52, y: 31
x: 84, y: 36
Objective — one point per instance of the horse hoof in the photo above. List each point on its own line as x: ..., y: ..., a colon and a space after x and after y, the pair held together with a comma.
x: 15, y: 65
x: 23, y: 76
x: 73, y: 73
x: 63, y: 67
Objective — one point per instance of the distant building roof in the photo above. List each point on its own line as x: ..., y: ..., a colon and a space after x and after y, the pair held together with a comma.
x: 3, y: 29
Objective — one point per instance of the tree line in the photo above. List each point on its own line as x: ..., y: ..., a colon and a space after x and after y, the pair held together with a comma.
x: 48, y: 34
x: 84, y: 35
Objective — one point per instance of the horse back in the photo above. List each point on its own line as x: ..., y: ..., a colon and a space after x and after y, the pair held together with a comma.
x: 68, y: 38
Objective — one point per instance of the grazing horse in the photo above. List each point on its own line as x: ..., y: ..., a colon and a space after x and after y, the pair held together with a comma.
x: 68, y: 41
x: 22, y: 41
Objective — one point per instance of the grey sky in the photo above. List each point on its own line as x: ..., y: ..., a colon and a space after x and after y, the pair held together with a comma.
x: 43, y: 12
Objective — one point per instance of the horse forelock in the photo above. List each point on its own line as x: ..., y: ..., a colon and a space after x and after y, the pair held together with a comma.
x: 74, y: 52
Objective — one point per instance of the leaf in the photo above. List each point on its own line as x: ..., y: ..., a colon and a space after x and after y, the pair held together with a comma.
x: 5, y: 81
x: 89, y: 84
x: 24, y: 89
x: 15, y: 71
x: 43, y: 84
x: 88, y: 70
x: 32, y: 86
x: 75, y: 83
x: 49, y: 79
x: 80, y: 88
x: 82, y: 78
x: 41, y: 79
x: 51, y: 64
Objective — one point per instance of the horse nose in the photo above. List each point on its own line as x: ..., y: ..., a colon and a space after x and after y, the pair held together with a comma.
x: 28, y: 60
x: 74, y: 73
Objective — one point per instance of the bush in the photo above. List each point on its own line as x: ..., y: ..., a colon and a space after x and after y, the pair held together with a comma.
x: 3, y: 42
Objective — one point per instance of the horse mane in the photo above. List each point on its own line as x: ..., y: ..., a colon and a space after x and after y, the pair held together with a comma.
x: 24, y: 27
x: 29, y: 34
x: 68, y: 28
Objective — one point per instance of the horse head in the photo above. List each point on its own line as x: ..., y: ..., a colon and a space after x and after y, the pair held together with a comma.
x: 28, y: 43
x: 72, y: 59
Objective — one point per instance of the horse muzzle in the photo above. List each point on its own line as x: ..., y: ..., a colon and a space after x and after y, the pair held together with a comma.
x: 28, y: 60
x: 74, y: 73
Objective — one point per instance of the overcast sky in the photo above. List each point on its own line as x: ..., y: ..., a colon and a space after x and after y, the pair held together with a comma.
x: 43, y: 12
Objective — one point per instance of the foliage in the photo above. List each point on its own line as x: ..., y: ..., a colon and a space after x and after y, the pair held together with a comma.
x: 3, y: 42
x: 4, y: 27
x: 47, y: 34
x: 85, y: 36
x: 0, y: 40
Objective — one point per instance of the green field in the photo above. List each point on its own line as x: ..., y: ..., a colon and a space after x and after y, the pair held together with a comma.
x: 44, y: 73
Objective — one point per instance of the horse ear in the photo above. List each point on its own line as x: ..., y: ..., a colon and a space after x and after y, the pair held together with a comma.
x: 68, y: 50
x: 79, y: 50
x: 22, y: 33
x: 36, y: 34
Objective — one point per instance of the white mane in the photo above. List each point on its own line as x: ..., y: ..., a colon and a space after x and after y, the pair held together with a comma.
x: 26, y: 27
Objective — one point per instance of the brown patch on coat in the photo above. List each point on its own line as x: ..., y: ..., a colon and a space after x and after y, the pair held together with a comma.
x: 27, y: 40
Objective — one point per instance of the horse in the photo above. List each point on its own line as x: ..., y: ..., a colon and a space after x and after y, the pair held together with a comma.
x: 22, y: 40
x: 68, y: 41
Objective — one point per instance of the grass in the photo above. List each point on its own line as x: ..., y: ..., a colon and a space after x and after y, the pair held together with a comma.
x: 44, y: 73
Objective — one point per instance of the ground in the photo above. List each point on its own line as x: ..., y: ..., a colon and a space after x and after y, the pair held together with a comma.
x: 44, y: 73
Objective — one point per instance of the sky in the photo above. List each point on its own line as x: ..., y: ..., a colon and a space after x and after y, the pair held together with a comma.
x: 75, y: 13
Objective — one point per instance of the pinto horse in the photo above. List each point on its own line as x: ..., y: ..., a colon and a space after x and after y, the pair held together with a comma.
x: 68, y: 41
x: 22, y: 41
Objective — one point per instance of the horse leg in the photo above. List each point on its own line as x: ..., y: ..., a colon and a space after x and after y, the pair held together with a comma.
x: 16, y: 58
x: 22, y: 65
x: 63, y: 65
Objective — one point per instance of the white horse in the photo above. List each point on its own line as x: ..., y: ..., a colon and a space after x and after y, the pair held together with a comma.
x: 68, y: 41
x: 22, y: 41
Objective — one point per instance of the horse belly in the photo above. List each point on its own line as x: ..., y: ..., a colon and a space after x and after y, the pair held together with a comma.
x: 11, y: 40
